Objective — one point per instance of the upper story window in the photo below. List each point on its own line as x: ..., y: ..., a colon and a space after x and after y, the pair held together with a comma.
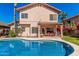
x: 24, y: 15
x: 51, y: 17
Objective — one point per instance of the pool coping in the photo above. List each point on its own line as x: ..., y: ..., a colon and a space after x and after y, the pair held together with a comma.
x: 76, y: 47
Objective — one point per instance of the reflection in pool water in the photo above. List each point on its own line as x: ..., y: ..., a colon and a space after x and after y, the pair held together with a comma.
x: 22, y: 47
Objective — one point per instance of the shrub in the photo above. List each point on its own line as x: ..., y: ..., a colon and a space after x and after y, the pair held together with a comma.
x: 78, y: 26
x: 19, y: 30
x: 11, y: 33
x: 65, y: 32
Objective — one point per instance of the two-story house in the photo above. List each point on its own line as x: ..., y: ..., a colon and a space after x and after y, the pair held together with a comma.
x: 39, y: 20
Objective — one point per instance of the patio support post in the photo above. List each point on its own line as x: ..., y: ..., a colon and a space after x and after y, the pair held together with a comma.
x: 61, y: 27
x: 45, y: 30
x: 56, y: 31
x: 30, y: 30
x: 39, y: 31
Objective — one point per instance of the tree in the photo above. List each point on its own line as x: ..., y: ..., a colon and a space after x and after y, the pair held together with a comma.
x: 63, y: 15
x: 15, y: 25
x: 19, y: 31
x: 11, y: 33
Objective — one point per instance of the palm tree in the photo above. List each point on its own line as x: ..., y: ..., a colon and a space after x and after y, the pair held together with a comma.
x: 15, y: 25
x: 63, y: 15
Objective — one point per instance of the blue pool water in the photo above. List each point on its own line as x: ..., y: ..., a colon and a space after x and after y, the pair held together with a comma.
x: 22, y: 47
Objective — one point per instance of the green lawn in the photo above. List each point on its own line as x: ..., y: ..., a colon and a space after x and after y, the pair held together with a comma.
x: 72, y: 39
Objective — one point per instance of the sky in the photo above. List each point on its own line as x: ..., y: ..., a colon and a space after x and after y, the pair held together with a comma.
x: 7, y: 10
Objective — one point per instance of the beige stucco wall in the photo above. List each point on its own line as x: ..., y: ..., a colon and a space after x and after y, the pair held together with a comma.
x: 38, y: 14
x: 11, y: 27
x: 35, y: 15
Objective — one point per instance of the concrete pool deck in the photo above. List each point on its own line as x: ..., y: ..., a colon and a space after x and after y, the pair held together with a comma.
x: 76, y: 47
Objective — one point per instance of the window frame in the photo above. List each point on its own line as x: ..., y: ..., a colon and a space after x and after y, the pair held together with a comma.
x: 24, y: 15
x: 34, y: 30
x: 51, y: 15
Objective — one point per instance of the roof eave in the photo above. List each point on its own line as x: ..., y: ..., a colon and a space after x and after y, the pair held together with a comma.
x: 71, y: 18
x: 21, y: 8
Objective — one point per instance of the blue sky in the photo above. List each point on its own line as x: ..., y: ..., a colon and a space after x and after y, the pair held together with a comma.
x: 6, y: 10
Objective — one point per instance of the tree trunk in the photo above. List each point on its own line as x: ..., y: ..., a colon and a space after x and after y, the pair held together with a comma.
x: 15, y: 20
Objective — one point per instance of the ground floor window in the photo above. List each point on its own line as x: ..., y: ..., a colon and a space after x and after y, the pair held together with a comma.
x: 43, y: 31
x: 23, y: 28
x: 34, y: 29
x: 50, y: 30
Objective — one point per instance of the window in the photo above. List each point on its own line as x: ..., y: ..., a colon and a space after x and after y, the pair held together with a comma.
x: 43, y: 32
x: 24, y: 15
x: 49, y: 30
x: 51, y: 16
x: 34, y: 29
x: 23, y: 28
x: 69, y: 22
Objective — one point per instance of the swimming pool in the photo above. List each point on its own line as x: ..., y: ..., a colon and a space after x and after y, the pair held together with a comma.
x: 20, y: 47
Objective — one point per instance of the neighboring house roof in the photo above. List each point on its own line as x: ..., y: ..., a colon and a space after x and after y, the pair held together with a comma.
x: 71, y: 17
x: 10, y: 24
x: 3, y: 24
x: 40, y: 4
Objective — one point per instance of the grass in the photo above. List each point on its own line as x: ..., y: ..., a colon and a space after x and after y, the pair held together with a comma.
x: 74, y: 40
